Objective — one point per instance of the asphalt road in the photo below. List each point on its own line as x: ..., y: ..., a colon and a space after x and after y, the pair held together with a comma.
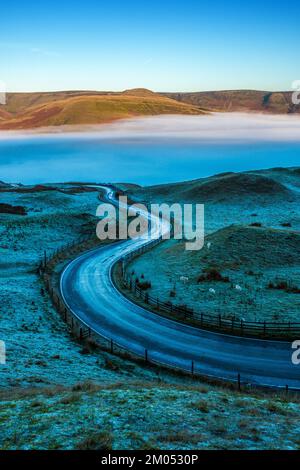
x: 88, y: 290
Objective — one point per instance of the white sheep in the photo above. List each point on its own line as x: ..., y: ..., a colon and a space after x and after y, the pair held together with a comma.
x: 212, y: 291
x: 184, y: 279
x: 237, y: 287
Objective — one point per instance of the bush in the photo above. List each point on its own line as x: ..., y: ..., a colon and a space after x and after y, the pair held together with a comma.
x: 286, y: 224
x: 144, y: 285
x: 202, y: 406
x: 96, y: 441
x: 284, y: 285
x: 213, y: 274
x: 256, y: 224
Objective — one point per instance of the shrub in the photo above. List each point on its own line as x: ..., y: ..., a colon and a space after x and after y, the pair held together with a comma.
x: 111, y: 364
x: 202, y: 406
x: 96, y: 441
x: 256, y: 224
x: 286, y: 224
x: 84, y: 387
x: 283, y: 285
x: 213, y: 274
x: 144, y: 285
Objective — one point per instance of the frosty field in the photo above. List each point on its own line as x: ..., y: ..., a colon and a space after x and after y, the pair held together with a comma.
x: 252, y: 222
x: 57, y: 393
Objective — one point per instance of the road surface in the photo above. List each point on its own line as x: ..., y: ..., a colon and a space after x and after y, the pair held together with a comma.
x: 88, y: 291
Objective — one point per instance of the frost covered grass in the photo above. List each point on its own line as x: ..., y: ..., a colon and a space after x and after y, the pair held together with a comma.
x: 141, y: 415
x: 252, y: 241
x: 40, y: 351
x: 56, y: 393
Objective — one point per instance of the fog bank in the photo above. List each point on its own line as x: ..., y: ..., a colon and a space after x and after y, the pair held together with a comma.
x: 217, y: 127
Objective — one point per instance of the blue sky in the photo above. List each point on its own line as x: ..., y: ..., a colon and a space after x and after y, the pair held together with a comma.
x: 162, y: 45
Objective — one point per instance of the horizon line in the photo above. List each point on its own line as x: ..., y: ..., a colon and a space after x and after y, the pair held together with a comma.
x: 84, y: 90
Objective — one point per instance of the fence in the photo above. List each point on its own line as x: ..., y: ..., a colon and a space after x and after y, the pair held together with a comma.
x: 84, y: 333
x: 233, y: 325
x: 185, y: 314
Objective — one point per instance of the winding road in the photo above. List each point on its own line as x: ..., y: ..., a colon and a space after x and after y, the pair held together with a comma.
x: 87, y: 289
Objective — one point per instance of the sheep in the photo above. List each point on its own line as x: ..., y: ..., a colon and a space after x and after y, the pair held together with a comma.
x: 184, y: 279
x: 212, y: 291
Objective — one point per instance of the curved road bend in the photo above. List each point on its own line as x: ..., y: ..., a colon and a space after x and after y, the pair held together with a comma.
x: 87, y: 288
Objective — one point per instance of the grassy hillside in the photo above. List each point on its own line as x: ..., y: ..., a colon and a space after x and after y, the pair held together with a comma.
x: 251, y: 247
x: 30, y: 110
x: 240, y: 100
x: 252, y: 226
x: 263, y: 262
x: 226, y: 187
x: 48, y: 402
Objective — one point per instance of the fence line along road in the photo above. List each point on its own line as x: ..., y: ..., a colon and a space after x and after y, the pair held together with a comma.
x: 83, y: 331
x: 185, y: 314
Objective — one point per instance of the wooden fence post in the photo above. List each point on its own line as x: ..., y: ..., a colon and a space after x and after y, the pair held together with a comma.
x: 192, y: 367
x: 239, y: 381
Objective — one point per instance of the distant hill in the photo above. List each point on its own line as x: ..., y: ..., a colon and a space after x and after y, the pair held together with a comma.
x: 259, y: 186
x: 240, y: 100
x: 31, y: 110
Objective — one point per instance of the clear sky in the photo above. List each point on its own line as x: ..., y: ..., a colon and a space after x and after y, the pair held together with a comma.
x: 162, y: 45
